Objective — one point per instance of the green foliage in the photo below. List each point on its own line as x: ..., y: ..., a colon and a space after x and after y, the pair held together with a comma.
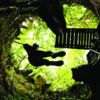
x: 60, y: 78
x: 79, y: 17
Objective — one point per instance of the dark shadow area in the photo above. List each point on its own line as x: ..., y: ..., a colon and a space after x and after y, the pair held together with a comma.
x: 53, y: 15
x: 53, y: 12
x: 37, y: 57
x: 89, y: 74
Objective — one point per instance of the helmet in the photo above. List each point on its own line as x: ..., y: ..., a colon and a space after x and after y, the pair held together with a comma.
x: 35, y: 46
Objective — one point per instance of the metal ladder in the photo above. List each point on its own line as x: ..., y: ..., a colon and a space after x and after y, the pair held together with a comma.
x: 76, y: 38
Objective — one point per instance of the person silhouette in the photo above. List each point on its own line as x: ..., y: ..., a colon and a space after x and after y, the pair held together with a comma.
x: 37, y: 57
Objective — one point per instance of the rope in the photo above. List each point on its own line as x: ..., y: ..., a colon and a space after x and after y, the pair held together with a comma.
x: 95, y: 51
